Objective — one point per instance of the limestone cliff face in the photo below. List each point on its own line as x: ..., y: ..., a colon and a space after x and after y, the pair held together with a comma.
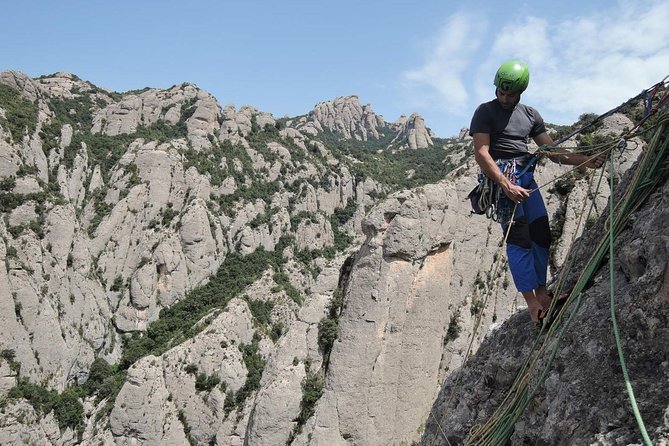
x: 116, y: 206
x: 407, y: 282
x: 427, y: 267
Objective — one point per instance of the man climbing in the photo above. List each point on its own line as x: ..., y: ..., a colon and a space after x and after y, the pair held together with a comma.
x: 501, y: 130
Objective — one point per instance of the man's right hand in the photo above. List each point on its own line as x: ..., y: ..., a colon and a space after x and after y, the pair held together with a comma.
x: 515, y: 193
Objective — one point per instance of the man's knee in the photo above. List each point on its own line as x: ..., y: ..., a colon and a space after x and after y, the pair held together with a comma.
x: 519, y: 234
x: 540, y: 232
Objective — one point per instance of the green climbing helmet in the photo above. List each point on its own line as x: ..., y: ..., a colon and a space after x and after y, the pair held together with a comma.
x: 512, y: 76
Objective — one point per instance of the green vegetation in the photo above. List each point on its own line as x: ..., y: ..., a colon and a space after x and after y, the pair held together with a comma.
x: 297, y: 217
x: 248, y: 193
x: 209, y: 161
x: 328, y: 330
x: 454, y: 328
x: 312, y: 390
x: 477, y: 307
x: 11, y: 251
x: 66, y: 406
x: 181, y: 321
x: 20, y: 114
x: 264, y: 218
x: 583, y: 120
x: 261, y: 310
x: 328, y: 327
x: 9, y: 355
x: 255, y: 364
x: 563, y: 185
x: 342, y: 215
x: 102, y: 149
x: 283, y: 281
x: 392, y: 167
x: 259, y: 138
x: 341, y: 239
x: 11, y: 200
x: 104, y: 381
x: 276, y: 331
x: 557, y: 225
x: 7, y: 184
x: 205, y: 383
x: 78, y: 113
x: 102, y: 209
x: 181, y: 415
x: 178, y: 322
x: 168, y: 214
x: 262, y: 314
x: 117, y: 285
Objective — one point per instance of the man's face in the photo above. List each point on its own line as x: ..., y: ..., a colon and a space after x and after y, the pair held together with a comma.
x: 507, y: 99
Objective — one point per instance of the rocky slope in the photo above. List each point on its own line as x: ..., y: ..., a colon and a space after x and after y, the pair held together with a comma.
x: 177, y: 271
x: 581, y: 395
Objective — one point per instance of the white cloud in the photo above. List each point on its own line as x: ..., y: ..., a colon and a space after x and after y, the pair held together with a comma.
x: 587, y: 63
x: 446, y: 65
x: 590, y: 63
x: 527, y: 41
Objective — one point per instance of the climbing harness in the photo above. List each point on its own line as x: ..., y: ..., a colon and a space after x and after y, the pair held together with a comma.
x: 489, y: 199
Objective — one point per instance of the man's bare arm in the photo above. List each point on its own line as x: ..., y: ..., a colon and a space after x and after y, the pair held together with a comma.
x: 563, y: 156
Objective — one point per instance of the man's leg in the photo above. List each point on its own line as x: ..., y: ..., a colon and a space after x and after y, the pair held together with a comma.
x: 533, y: 305
x: 540, y: 236
x: 528, y: 248
x: 522, y: 262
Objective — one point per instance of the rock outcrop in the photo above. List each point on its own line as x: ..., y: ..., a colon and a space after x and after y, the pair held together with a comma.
x: 404, y: 288
x: 412, y: 132
x: 117, y: 206
x: 347, y: 117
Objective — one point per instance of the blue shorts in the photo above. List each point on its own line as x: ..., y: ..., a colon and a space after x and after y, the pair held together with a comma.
x: 529, y: 240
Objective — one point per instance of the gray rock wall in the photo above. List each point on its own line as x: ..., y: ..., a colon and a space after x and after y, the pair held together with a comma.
x: 408, y: 281
x: 582, y: 398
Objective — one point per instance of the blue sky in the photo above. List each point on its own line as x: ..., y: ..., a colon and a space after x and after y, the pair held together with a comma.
x: 435, y: 58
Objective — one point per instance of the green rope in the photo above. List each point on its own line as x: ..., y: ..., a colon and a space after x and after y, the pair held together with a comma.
x: 616, y: 330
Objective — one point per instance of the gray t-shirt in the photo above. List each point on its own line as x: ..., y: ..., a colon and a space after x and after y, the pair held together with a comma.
x: 510, y: 130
